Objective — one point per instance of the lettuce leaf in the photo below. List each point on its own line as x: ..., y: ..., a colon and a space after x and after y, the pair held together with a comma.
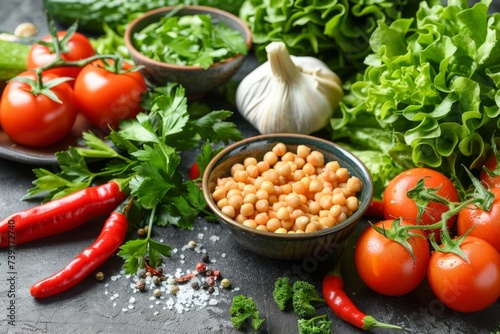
x: 335, y: 31
x: 432, y: 84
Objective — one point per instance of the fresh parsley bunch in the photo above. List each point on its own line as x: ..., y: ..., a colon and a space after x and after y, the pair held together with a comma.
x: 144, y: 156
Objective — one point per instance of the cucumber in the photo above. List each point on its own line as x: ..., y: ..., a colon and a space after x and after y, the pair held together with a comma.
x: 91, y: 14
x: 13, y: 60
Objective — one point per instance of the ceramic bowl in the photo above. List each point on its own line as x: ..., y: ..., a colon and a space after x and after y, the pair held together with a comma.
x: 287, y: 246
x: 196, y: 80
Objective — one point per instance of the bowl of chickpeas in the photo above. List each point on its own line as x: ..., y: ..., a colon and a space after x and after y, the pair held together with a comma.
x: 287, y: 196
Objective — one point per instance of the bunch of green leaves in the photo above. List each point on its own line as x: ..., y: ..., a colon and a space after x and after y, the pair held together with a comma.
x: 93, y: 15
x: 192, y: 40
x: 335, y: 31
x: 144, y: 157
x: 302, y: 294
x: 316, y: 325
x: 244, y: 309
x: 430, y: 94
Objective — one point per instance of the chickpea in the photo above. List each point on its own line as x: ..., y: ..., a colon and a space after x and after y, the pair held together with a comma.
x: 236, y: 167
x: 250, y: 223
x: 273, y: 224
x: 249, y: 161
x: 252, y: 171
x: 247, y: 210
x: 271, y: 158
x: 279, y: 149
x: 262, y: 166
x: 241, y: 175
x: 228, y: 211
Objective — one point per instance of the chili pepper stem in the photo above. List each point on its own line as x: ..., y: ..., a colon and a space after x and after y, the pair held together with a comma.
x: 370, y: 322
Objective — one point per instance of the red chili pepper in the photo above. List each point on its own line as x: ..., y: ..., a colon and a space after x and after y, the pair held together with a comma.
x: 112, y: 235
x: 342, y: 305
x: 375, y: 209
x: 60, y: 215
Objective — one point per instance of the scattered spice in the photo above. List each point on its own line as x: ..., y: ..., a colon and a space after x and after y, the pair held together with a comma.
x: 99, y: 276
x: 225, y: 283
x: 201, y: 267
x: 157, y: 293
x: 140, y: 285
x: 205, y: 258
x: 192, y: 244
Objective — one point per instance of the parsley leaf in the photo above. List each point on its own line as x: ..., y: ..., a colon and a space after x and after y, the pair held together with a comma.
x: 144, y: 157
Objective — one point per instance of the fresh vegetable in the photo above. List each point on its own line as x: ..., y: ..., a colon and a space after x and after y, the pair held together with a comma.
x: 190, y: 40
x: 468, y: 281
x: 194, y: 171
x: 70, y: 46
x: 304, y: 295
x: 289, y: 94
x: 375, y: 209
x: 107, y: 92
x: 92, y: 14
x: 282, y: 292
x: 316, y: 325
x: 61, y: 214
x: 37, y: 109
x: 112, y: 235
x: 482, y: 224
x: 343, y: 306
x: 397, y: 204
x: 392, y: 259
x: 463, y: 272
x: 244, y: 309
x: 336, y: 31
x: 490, y: 174
x: 145, y: 155
x: 13, y: 60
x: 429, y: 93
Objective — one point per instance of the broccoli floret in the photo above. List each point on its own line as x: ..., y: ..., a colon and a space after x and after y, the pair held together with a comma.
x: 244, y: 308
x: 282, y: 292
x: 304, y: 293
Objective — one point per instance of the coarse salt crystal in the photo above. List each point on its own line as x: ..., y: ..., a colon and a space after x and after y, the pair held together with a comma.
x: 213, y: 302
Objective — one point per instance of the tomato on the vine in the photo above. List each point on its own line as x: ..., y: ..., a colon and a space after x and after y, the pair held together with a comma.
x: 34, y: 119
x: 105, y: 98
x: 492, y: 165
x: 77, y: 47
x: 385, y: 265
x: 396, y: 203
x: 466, y: 286
x: 485, y: 225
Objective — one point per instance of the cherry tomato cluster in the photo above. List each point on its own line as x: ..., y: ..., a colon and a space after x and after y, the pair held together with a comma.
x: 38, y: 108
x: 394, y: 256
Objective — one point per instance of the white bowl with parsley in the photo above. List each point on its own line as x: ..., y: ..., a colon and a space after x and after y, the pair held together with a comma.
x: 199, y: 47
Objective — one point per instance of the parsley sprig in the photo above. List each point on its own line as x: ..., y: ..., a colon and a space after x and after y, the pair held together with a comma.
x: 144, y: 157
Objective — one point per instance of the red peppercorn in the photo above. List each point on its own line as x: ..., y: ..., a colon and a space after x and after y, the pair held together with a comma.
x: 201, y: 267
x: 210, y: 280
x: 217, y: 274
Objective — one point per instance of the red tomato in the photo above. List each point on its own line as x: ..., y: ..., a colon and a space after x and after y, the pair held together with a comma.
x: 396, y: 203
x: 386, y: 266
x: 105, y: 97
x: 77, y: 48
x: 491, y: 164
x: 466, y: 286
x: 36, y: 121
x: 486, y: 224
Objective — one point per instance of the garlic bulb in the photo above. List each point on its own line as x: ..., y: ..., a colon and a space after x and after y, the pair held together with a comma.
x: 289, y: 94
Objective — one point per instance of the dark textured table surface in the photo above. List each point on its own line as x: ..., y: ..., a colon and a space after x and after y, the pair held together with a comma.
x: 113, y: 306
